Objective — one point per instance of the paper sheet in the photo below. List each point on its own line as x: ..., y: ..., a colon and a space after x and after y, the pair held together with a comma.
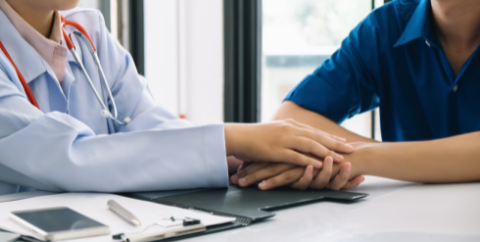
x: 94, y: 205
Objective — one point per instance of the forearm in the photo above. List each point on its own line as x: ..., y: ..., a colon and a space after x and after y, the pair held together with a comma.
x: 291, y: 110
x: 455, y: 159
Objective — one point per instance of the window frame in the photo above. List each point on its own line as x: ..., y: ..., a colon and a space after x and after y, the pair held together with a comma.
x: 242, y: 60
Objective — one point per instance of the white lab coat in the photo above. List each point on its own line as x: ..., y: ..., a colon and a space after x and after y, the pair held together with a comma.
x: 67, y: 146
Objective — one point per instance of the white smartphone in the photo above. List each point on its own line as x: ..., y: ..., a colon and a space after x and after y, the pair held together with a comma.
x: 59, y: 223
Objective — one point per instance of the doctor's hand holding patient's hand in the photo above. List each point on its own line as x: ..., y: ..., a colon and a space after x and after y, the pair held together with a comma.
x: 346, y: 175
x: 285, y: 141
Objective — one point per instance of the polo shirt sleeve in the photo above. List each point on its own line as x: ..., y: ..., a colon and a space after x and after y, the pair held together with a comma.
x: 342, y: 86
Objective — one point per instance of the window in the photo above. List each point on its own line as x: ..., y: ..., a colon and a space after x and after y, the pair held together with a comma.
x: 184, y: 57
x: 298, y: 35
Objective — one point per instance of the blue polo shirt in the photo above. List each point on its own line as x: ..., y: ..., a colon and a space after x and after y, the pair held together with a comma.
x: 394, y: 60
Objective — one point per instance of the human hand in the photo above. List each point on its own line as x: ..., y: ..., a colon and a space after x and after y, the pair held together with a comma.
x: 277, y: 175
x: 283, y: 142
x: 332, y: 176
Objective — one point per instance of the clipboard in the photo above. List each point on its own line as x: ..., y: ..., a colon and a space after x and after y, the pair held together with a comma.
x: 246, y: 205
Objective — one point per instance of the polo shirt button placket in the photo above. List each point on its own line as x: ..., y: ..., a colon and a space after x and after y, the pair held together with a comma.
x: 455, y: 88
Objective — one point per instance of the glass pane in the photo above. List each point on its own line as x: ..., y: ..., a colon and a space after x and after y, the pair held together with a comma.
x: 298, y: 35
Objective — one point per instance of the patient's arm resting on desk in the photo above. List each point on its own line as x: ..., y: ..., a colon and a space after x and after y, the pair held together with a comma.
x: 453, y: 159
x: 447, y: 160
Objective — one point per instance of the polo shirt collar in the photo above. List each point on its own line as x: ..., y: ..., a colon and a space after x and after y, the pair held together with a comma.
x: 420, y: 26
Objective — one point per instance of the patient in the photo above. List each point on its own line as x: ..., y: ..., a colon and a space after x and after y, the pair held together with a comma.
x: 417, y: 60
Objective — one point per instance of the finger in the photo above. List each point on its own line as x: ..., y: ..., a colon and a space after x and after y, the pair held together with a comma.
x: 234, y: 179
x: 323, y: 177
x: 251, y: 169
x: 244, y: 165
x: 353, y: 182
x: 246, y: 171
x: 343, y: 140
x: 327, y: 141
x: 299, y: 124
x: 309, y: 146
x: 283, y: 179
x: 295, y: 158
x: 341, y: 178
x: 305, y: 181
x: 264, y: 173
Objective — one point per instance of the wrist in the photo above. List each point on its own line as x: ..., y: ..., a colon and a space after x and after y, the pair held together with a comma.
x: 366, y: 158
x: 231, y: 138
x: 372, y: 155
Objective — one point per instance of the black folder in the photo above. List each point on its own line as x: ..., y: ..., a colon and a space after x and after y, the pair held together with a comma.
x: 247, y: 205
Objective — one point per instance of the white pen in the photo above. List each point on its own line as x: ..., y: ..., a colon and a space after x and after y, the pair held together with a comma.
x: 123, y: 213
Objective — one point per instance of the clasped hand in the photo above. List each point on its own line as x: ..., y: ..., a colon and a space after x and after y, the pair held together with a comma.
x: 288, y: 142
x: 335, y: 173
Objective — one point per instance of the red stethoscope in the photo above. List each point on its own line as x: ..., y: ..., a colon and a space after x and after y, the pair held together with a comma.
x: 80, y: 31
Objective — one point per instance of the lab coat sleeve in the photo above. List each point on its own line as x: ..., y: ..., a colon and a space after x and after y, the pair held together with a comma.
x: 156, y: 151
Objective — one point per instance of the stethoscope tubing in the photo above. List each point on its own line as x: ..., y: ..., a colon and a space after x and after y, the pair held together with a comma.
x: 80, y: 31
x: 105, y: 112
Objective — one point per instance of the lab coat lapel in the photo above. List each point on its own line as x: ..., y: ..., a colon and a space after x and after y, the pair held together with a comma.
x: 57, y: 99
x: 68, y: 80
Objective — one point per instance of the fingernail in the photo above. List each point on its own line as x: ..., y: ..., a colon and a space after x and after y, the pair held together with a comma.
x: 242, y: 181
x: 342, y: 140
x: 234, y: 179
x: 318, y: 164
x: 329, y: 161
x: 348, y: 148
x: 262, y: 185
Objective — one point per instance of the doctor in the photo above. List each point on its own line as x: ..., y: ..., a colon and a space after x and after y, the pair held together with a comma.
x: 53, y: 136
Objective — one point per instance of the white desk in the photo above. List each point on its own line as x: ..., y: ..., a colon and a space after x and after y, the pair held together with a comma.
x: 394, y: 211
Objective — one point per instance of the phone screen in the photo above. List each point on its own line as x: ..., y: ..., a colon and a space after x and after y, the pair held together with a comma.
x: 57, y: 219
